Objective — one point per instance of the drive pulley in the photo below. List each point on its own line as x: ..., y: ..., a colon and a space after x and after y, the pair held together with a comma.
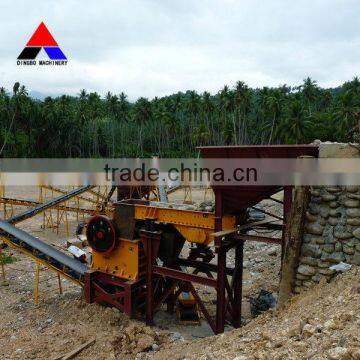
x: 101, y: 234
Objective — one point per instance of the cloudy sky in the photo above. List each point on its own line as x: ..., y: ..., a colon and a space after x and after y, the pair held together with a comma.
x: 158, y: 47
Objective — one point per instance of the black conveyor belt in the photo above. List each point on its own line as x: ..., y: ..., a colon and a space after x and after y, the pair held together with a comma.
x: 48, y: 204
x: 43, y: 251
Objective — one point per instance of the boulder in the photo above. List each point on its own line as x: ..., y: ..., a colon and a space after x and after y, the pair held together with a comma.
x: 342, y: 234
x: 315, y: 192
x: 328, y: 235
x: 353, y: 259
x: 301, y: 277
x: 338, y: 246
x: 314, y: 228
x: 308, y: 330
x: 354, y: 196
x: 334, y: 258
x: 318, y: 240
x: 310, y: 217
x: 309, y: 261
x: 306, y: 270
x: 328, y: 248
x: 311, y: 250
x: 356, y: 233
x: 144, y: 343
x: 323, y: 264
x: 353, y: 221
x: 316, y: 278
x: 338, y: 353
x: 335, y: 212
x: 326, y: 272
x: 352, y: 189
x: 332, y: 189
x: 348, y: 250
x: 353, y: 213
x: 314, y: 208
x: 324, y: 212
x: 333, y: 221
x: 352, y: 203
x: 328, y: 197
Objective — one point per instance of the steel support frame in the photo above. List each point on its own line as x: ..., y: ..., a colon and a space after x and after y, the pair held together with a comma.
x: 97, y: 290
x: 229, y: 294
x: 161, y: 281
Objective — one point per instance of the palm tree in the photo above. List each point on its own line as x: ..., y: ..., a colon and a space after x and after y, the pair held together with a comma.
x: 242, y: 106
x: 310, y: 92
x: 142, y: 114
x: 294, y: 126
x: 226, y: 107
x: 346, y: 112
x: 273, y: 104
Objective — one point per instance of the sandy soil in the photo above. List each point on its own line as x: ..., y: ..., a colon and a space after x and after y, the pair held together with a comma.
x: 322, y: 323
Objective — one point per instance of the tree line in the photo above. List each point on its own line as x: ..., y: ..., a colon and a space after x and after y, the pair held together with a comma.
x: 88, y: 125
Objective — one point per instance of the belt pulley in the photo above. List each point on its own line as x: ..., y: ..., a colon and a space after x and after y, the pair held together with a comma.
x: 101, y: 234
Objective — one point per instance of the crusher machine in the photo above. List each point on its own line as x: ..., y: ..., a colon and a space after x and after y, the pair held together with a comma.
x: 139, y: 261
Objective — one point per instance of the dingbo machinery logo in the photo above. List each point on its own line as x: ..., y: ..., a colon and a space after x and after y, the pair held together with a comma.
x: 42, y: 39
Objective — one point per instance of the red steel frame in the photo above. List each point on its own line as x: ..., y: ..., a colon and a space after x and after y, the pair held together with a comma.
x: 229, y: 294
x: 160, y: 282
x: 97, y: 289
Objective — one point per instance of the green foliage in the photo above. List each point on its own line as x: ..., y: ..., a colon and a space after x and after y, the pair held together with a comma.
x: 6, y: 259
x: 172, y: 126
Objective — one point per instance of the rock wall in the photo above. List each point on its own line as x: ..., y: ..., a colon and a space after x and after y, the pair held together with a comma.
x: 332, y: 227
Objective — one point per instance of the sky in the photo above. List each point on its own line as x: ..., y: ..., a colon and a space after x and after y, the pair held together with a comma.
x: 159, y: 47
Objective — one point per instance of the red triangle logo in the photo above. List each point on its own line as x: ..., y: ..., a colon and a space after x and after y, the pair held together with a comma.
x: 42, y: 37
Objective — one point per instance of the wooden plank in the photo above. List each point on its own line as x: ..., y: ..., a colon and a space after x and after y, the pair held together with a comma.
x: 73, y: 353
x: 293, y: 240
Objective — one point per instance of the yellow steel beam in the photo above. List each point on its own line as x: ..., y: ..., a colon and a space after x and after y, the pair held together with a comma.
x: 31, y: 203
x: 195, y: 226
x: 190, y: 218
x: 60, y: 191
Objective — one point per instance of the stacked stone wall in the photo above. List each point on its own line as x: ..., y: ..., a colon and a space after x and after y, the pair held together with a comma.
x: 332, y: 226
x: 332, y: 233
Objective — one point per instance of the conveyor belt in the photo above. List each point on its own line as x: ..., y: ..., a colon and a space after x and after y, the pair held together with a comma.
x: 32, y: 203
x: 48, y: 204
x: 34, y: 247
x: 46, y: 253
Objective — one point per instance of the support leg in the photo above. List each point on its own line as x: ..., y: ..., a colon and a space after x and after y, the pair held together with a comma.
x: 238, y: 277
x: 36, y: 285
x: 220, y: 300
x: 149, y: 283
x: 60, y: 284
x: 88, y: 287
x: 127, y: 300
x: 3, y: 274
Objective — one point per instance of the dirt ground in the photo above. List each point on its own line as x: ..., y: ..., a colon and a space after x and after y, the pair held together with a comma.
x: 322, y: 323
x: 60, y: 323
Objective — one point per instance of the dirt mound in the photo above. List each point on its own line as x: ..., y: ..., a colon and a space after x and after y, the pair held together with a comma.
x: 61, y: 324
x: 322, y: 323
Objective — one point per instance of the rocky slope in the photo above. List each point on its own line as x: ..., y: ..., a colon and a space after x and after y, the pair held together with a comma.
x: 322, y: 323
